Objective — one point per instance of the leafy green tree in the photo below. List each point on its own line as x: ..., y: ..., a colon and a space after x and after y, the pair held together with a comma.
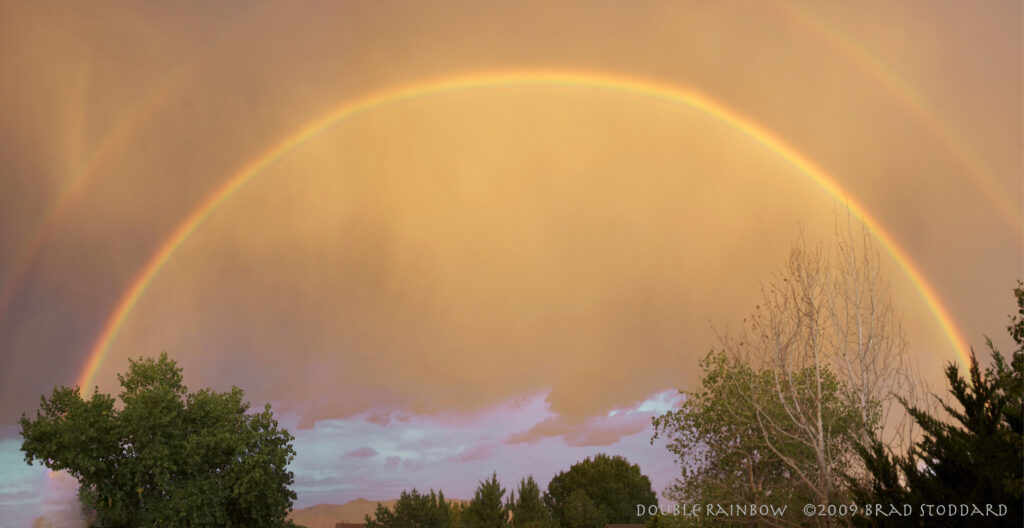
x: 527, y: 506
x: 812, y: 371
x: 610, y: 484
x: 166, y: 457
x: 724, y: 448
x: 415, y: 510
x: 581, y: 512
x: 975, y: 458
x: 486, y: 509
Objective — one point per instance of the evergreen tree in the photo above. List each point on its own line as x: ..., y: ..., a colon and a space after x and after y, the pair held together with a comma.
x: 527, y: 507
x: 414, y: 510
x: 581, y: 512
x: 487, y: 509
x: 975, y: 458
x: 442, y: 511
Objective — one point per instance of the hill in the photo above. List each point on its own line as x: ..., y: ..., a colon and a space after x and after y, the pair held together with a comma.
x: 326, y: 515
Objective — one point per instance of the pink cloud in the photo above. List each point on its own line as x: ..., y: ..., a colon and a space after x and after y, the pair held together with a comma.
x: 454, y: 451
x: 480, y: 452
x: 378, y: 418
x: 607, y: 432
x: 597, y: 430
x: 410, y: 464
x: 362, y: 452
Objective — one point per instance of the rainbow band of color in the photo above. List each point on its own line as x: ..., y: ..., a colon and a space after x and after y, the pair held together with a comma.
x: 624, y: 85
x: 915, y: 104
x: 72, y: 191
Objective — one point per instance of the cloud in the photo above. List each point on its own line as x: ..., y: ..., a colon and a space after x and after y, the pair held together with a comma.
x: 438, y: 253
x: 410, y: 269
x: 411, y: 464
x: 600, y: 430
x: 480, y: 452
x: 28, y: 492
x: 454, y: 450
x: 378, y: 418
x: 362, y: 452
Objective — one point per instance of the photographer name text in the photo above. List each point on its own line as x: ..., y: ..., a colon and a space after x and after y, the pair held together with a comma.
x: 822, y: 510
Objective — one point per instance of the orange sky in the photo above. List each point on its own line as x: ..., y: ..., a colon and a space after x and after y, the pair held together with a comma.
x: 458, y: 251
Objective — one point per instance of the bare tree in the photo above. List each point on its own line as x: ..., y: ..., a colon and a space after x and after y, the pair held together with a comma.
x: 866, y: 338
x: 818, y: 367
x: 825, y: 326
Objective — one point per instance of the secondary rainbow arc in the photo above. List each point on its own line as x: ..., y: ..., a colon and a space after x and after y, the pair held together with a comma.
x: 915, y: 104
x: 533, y: 78
x: 71, y: 192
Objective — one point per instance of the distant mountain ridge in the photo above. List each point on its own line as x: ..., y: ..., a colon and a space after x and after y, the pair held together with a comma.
x: 354, y: 511
x: 327, y: 515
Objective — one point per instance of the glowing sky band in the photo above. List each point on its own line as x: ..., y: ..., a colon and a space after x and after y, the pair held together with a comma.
x: 1000, y: 199
x: 74, y: 186
x: 115, y: 140
x: 530, y: 78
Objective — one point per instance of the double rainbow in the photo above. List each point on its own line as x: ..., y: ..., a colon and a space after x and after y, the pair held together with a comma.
x: 525, y: 78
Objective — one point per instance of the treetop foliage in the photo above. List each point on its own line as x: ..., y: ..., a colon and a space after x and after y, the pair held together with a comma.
x: 599, y: 490
x: 527, y: 506
x: 727, y: 454
x: 167, y: 457
x: 591, y: 494
x: 415, y: 510
x: 487, y: 509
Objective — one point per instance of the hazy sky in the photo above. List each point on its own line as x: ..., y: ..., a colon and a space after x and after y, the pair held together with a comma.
x: 445, y: 284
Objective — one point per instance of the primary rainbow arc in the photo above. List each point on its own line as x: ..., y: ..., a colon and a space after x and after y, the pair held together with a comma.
x: 532, y: 78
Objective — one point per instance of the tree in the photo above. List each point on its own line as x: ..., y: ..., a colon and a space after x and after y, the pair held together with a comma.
x: 527, y: 506
x: 719, y: 438
x: 167, y: 457
x: 815, y: 369
x: 487, y: 509
x: 975, y: 458
x: 414, y: 510
x: 609, y: 489
x: 863, y: 338
x: 581, y: 512
x: 827, y: 313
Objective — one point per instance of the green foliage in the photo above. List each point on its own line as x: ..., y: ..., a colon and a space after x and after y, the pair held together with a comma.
x: 167, y: 457
x: 579, y: 511
x: 974, y: 458
x: 487, y: 509
x: 415, y: 510
x: 726, y: 452
x: 527, y: 507
x: 598, y: 491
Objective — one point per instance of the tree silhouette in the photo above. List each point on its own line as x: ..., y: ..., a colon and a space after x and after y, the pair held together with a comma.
x: 973, y: 459
x: 610, y: 484
x: 487, y: 509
